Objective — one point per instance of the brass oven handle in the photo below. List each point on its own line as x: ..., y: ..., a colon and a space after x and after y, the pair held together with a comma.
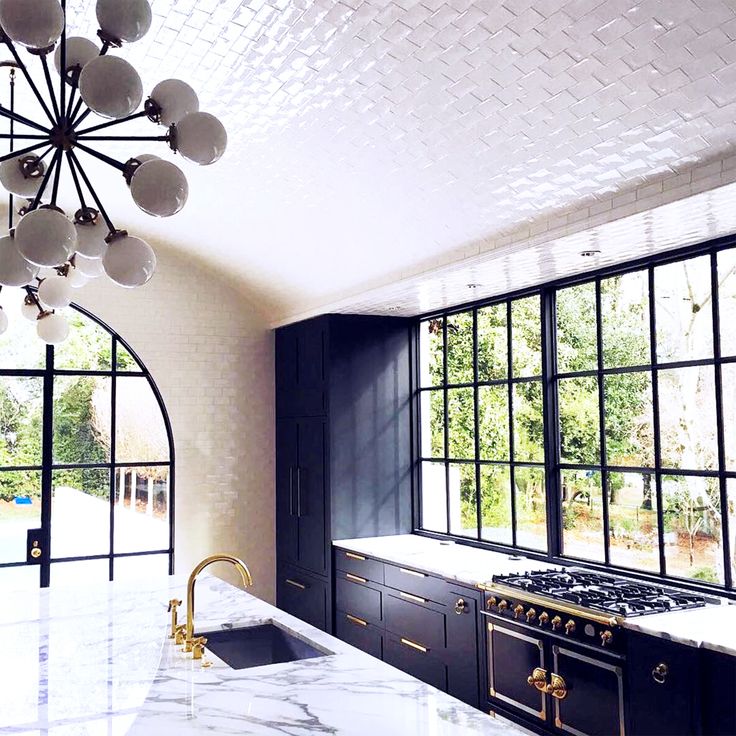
x: 557, y: 687
x: 538, y: 679
x: 659, y: 673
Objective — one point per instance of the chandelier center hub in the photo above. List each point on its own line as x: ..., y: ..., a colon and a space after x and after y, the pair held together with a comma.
x: 62, y: 138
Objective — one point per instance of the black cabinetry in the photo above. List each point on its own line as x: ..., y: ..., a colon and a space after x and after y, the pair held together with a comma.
x: 718, y: 693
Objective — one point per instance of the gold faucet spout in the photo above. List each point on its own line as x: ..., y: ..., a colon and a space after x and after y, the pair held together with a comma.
x: 239, y: 565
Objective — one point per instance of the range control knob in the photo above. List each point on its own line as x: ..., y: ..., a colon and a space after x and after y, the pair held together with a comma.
x: 543, y: 618
x: 531, y: 614
x: 570, y: 627
x: 503, y: 605
x: 606, y: 637
x: 556, y: 623
x: 518, y: 610
x: 490, y: 603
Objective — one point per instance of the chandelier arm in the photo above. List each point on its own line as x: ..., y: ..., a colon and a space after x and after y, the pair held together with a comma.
x: 11, y: 212
x: 57, y: 176
x: 29, y: 79
x: 62, y: 70
x: 68, y: 113
x: 23, y: 137
x: 12, y: 115
x: 50, y: 85
x: 109, y: 123
x: 128, y: 138
x: 47, y: 176
x: 31, y: 294
x: 101, y: 156
x: 74, y: 114
x: 88, y: 111
x: 77, y: 185
x: 88, y: 184
x: 22, y: 152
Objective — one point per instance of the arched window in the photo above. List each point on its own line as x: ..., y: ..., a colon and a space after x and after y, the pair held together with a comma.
x: 86, y: 459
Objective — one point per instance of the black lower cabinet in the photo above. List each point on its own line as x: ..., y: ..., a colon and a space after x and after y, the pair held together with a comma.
x: 302, y: 595
x: 415, y: 659
x: 718, y: 693
x: 462, y: 646
x: 359, y: 633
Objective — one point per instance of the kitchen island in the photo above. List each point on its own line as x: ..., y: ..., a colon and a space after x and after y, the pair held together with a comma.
x: 98, y: 660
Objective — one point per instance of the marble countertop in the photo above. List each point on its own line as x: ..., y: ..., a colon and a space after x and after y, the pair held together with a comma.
x: 711, y: 627
x: 98, y: 660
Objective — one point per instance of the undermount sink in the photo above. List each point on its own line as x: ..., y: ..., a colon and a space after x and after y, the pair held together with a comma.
x: 254, y: 646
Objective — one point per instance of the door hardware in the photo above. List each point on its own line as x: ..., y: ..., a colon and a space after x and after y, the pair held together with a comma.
x: 538, y: 679
x: 659, y: 673
x: 461, y: 606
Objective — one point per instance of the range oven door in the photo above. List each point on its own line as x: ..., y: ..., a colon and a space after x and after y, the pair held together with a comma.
x: 587, y: 693
x: 516, y: 661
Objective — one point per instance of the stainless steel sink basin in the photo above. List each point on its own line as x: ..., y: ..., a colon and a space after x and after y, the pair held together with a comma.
x: 254, y: 646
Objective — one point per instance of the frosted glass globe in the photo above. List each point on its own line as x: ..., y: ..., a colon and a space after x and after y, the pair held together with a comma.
x: 176, y: 99
x: 3, y: 321
x: 125, y: 20
x: 55, y: 292
x: 76, y: 278
x: 45, y: 237
x: 14, y: 269
x: 89, y: 267
x: 91, y: 238
x: 29, y: 311
x: 111, y: 87
x: 22, y: 175
x: 129, y: 261
x: 36, y: 24
x: 201, y: 137
x: 52, y: 328
x: 144, y: 158
x: 159, y: 188
x: 79, y: 51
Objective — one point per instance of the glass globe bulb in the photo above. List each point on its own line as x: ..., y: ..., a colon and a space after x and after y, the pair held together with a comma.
x: 91, y: 239
x: 125, y: 20
x: 89, y: 267
x: 55, y: 292
x: 201, y: 137
x: 45, y: 237
x: 79, y: 51
x: 111, y: 87
x: 3, y: 321
x: 159, y: 188
x: 52, y: 328
x: 176, y: 99
x: 129, y: 261
x: 29, y: 311
x: 22, y: 175
x: 76, y: 278
x: 36, y: 24
x: 14, y: 269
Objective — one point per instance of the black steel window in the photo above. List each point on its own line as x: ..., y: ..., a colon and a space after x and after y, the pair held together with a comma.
x: 86, y: 455
x: 630, y: 376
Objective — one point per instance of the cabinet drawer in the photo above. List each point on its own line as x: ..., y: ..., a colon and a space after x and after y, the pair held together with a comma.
x: 358, y: 598
x: 358, y: 564
x: 415, y: 622
x: 302, y: 596
x: 358, y: 632
x: 410, y: 657
x: 415, y: 582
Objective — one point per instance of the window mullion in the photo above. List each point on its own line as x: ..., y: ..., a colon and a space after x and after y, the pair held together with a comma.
x: 476, y: 419
x: 602, y: 423
x: 510, y: 373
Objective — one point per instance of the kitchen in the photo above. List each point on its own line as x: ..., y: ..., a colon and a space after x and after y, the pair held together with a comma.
x: 476, y: 450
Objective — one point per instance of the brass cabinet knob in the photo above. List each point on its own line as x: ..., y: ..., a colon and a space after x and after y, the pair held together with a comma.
x: 36, y: 553
x: 557, y: 687
x: 606, y: 637
x: 460, y: 606
x: 531, y: 614
x: 556, y: 623
x: 659, y: 673
x: 503, y: 605
x: 518, y: 610
x: 491, y: 603
x: 538, y: 679
x: 570, y: 627
x: 543, y: 618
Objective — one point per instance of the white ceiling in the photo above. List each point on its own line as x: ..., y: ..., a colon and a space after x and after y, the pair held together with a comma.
x: 374, y: 138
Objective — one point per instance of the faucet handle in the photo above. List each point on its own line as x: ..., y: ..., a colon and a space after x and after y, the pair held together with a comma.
x: 198, y: 647
x: 180, y: 634
x: 173, y: 604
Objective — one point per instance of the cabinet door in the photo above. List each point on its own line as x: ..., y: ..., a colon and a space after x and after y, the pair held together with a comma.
x: 462, y: 647
x: 718, y: 685
x: 287, y: 521
x: 302, y: 596
x: 301, y: 369
x: 310, y: 493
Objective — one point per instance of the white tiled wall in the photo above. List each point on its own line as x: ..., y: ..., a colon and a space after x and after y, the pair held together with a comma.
x: 211, y: 355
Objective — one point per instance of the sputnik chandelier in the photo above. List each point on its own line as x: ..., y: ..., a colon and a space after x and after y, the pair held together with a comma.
x: 73, y: 250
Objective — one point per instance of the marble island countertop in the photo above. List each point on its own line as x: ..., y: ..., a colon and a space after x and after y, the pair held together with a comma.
x: 97, y: 660
x: 711, y: 627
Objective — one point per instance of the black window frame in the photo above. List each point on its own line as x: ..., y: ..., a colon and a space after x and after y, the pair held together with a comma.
x: 550, y: 376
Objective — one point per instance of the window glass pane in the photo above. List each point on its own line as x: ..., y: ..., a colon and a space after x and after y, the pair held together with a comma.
x: 21, y: 420
x: 25, y: 577
x: 124, y: 360
x: 19, y: 345
x: 79, y: 574
x: 632, y: 520
x: 431, y: 353
x: 582, y: 514
x: 692, y: 525
x: 579, y: 420
x: 88, y: 347
x: 463, y: 504
x: 433, y: 423
x: 526, y: 337
x: 493, y: 419
x: 625, y: 320
x: 434, y: 497
x: 577, y: 347
x: 81, y: 419
x: 460, y: 348
x: 20, y: 510
x: 141, y: 509
x: 80, y: 501
x: 629, y: 419
x: 495, y: 489
x: 728, y: 389
x: 140, y: 432
x: 531, y: 508
x: 461, y: 423
x: 684, y: 310
x: 133, y: 569
x: 687, y: 418
x: 528, y: 422
x: 492, y: 343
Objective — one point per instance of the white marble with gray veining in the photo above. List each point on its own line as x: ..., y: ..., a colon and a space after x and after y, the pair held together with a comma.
x: 96, y: 660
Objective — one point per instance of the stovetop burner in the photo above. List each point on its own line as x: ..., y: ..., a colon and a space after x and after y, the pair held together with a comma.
x: 602, y: 592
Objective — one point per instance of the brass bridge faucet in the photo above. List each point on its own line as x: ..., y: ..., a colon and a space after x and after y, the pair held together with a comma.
x: 239, y: 565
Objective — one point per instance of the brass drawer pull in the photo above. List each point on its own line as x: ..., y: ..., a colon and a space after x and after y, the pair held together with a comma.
x: 414, y: 645
x: 411, y: 597
x: 355, y: 578
x: 301, y: 586
x: 356, y: 620
x: 412, y: 572
x: 354, y: 556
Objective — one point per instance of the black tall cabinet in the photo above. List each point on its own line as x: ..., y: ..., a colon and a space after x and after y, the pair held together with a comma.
x: 343, y: 447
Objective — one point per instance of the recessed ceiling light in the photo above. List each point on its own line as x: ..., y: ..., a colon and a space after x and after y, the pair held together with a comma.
x: 590, y: 253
